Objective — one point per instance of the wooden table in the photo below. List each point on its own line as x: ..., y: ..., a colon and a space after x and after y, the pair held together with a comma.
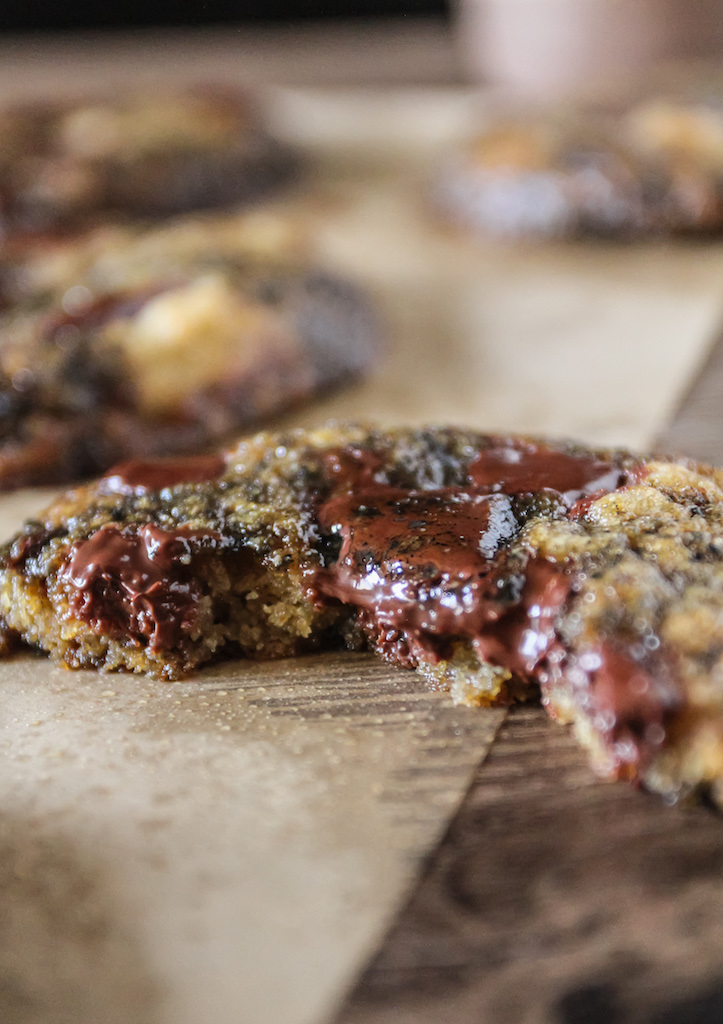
x: 139, y: 822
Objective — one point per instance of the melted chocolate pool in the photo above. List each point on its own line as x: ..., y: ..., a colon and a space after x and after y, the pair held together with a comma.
x: 435, y: 562
x: 427, y: 567
x: 527, y: 468
x: 142, y: 583
x: 142, y: 477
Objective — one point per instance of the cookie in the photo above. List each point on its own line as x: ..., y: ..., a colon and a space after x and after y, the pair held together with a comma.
x: 145, y: 154
x: 132, y: 344
x: 497, y: 567
x: 71, y: 269
x: 653, y: 171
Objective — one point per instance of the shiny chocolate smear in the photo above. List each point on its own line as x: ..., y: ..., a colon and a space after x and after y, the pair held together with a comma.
x: 434, y: 562
x: 141, y: 477
x: 140, y: 583
x: 427, y: 567
x: 520, y: 467
x: 432, y: 565
x: 420, y: 559
x: 628, y: 696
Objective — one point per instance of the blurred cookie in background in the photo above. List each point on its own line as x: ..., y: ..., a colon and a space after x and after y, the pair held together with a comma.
x: 130, y: 344
x: 144, y: 154
x: 73, y: 268
x: 655, y: 169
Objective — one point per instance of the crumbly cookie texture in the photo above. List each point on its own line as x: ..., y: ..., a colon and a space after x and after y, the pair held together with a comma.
x: 73, y: 268
x: 657, y: 169
x: 143, y: 154
x: 130, y: 343
x: 497, y: 567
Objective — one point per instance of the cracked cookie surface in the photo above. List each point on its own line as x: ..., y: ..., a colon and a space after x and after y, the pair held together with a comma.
x: 498, y: 567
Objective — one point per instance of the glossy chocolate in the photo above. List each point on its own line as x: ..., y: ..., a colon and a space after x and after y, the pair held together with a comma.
x: 351, y: 468
x: 433, y: 561
x: 140, y: 477
x: 142, y: 583
x: 420, y: 559
x: 516, y: 466
x: 427, y: 567
x: 432, y: 565
x: 512, y: 466
x: 630, y: 696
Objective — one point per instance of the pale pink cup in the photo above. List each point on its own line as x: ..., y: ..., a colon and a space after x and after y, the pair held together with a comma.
x: 579, y: 48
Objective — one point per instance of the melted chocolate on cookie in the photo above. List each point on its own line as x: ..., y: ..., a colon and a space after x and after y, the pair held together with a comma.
x: 427, y: 567
x: 142, y: 477
x: 139, y: 583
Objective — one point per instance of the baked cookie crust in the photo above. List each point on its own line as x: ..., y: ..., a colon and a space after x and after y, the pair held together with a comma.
x: 497, y: 567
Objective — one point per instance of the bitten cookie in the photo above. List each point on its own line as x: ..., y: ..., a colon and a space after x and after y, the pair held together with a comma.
x: 498, y: 567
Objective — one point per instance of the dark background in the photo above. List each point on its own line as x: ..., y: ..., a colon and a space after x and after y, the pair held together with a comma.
x: 43, y: 15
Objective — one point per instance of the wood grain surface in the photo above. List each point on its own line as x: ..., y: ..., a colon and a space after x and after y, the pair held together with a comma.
x: 555, y: 897
x: 696, y: 426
